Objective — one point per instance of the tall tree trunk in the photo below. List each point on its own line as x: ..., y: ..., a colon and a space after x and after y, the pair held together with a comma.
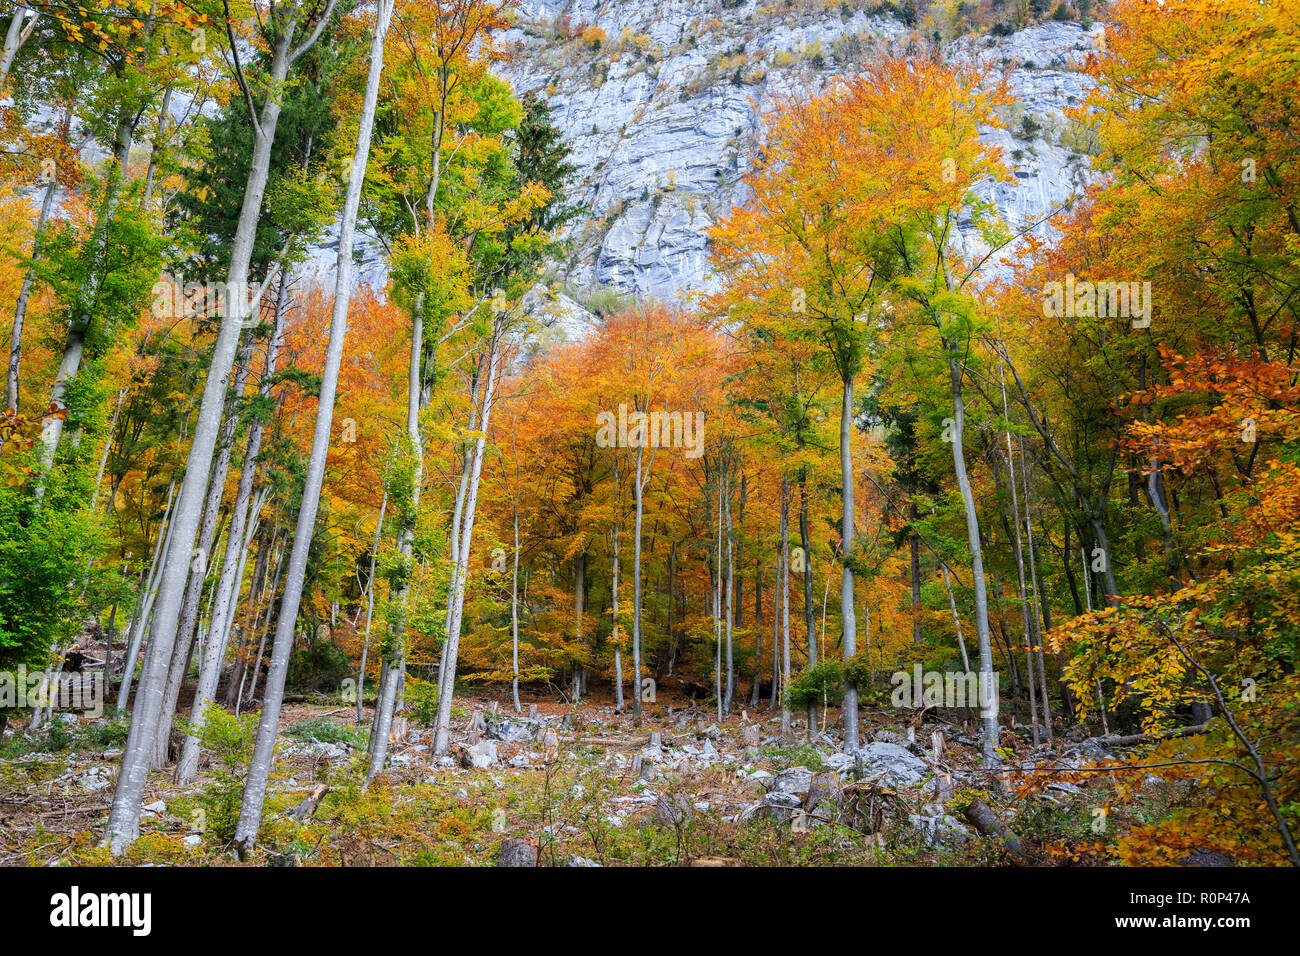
x: 24, y: 295
x: 784, y: 579
x: 15, y: 36
x: 1039, y: 638
x: 370, y: 603
x: 232, y: 565
x: 731, y: 577
x: 579, y: 598
x: 988, y: 687
x: 124, y: 817
x: 639, y: 490
x: 79, y: 317
x: 805, y: 542
x: 203, y: 563
x: 460, y: 570
x: 514, y: 606
x: 914, y: 553
x: 757, y: 693
x: 259, y: 771
x: 618, y: 637
x: 715, y: 594
x: 141, y: 622
x: 847, y: 615
x: 956, y: 621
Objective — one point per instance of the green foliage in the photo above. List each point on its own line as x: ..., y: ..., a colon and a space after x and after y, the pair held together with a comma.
x: 44, y: 554
x: 320, y: 666
x: 110, y: 732
x: 229, y: 740
x: 421, y: 699
x: 327, y: 732
x: 821, y: 683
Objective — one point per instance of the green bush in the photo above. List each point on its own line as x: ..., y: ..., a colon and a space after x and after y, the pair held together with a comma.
x: 229, y: 739
x: 108, y: 733
x: 421, y: 698
x: 821, y: 683
x: 327, y: 732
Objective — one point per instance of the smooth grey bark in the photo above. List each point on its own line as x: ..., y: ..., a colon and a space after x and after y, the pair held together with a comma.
x: 266, y: 629
x: 164, y: 114
x: 203, y: 566
x: 370, y: 603
x: 783, y: 578
x: 715, y: 572
x: 805, y: 542
x: 756, y: 692
x: 456, y: 597
x: 141, y: 621
x: 956, y: 620
x: 514, y: 606
x: 124, y: 817
x: 24, y: 295
x: 847, y: 614
x: 79, y: 316
x: 392, y: 671
x: 1027, y: 621
x: 618, y: 651
x: 233, y: 563
x: 1039, y: 639
x: 731, y: 573
x: 15, y: 37
x: 642, y: 477
x: 261, y: 578
x: 259, y: 771
x: 989, y: 737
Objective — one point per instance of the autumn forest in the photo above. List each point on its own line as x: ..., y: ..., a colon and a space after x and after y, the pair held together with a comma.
x: 343, y: 521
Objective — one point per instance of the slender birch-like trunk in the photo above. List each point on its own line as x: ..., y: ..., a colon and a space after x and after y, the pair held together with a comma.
x: 847, y: 614
x: 460, y: 571
x: 370, y: 603
x: 956, y: 620
x: 24, y: 295
x: 259, y: 771
x: 514, y: 606
x: 202, y: 565
x: 618, y: 651
x: 784, y: 564
x: 15, y: 37
x: 79, y: 317
x: 124, y: 817
x: 141, y: 621
x: 988, y: 686
x: 731, y: 576
x: 232, y: 565
x: 1039, y: 637
x: 805, y: 542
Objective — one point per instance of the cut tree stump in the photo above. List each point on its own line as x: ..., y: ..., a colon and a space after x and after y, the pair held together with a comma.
x: 309, y: 804
x: 515, y: 852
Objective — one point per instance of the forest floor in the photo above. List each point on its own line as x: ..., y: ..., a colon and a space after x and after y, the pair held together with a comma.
x: 581, y: 785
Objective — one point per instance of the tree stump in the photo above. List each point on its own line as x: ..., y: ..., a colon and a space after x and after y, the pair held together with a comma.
x: 516, y: 852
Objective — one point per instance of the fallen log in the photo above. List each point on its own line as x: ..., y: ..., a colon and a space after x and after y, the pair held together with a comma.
x: 987, y: 822
x: 1134, y: 740
x: 628, y: 743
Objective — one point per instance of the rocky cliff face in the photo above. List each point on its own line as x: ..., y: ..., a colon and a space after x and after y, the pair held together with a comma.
x: 661, y: 100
